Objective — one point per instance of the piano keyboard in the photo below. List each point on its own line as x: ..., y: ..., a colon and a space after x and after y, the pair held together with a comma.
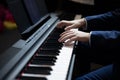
x: 50, y: 62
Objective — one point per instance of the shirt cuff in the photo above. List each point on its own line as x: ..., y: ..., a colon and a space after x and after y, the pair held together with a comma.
x: 90, y: 39
x: 85, y: 28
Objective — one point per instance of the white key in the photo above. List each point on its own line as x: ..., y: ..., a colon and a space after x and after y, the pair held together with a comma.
x: 60, y: 70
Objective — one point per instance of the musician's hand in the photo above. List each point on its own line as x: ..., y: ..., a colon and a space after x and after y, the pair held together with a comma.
x: 81, y: 23
x: 74, y: 35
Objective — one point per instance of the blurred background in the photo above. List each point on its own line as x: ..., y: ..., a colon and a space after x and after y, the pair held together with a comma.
x: 8, y: 27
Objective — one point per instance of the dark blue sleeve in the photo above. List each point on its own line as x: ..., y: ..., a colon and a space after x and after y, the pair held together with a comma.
x: 105, y: 39
x: 106, y: 21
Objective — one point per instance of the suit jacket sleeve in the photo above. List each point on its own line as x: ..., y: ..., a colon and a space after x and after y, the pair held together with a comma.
x: 105, y: 29
x: 105, y: 39
x: 106, y: 21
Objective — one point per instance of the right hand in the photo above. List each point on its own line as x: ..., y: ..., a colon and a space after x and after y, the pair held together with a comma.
x: 81, y: 23
x: 74, y: 35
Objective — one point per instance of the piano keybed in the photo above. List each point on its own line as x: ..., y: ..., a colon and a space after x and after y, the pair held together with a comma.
x: 50, y: 62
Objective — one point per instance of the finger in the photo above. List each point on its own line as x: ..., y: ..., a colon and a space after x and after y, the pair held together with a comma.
x: 70, y: 40
x: 62, y: 23
x: 65, y: 37
x: 66, y: 32
x: 67, y: 42
x: 70, y: 27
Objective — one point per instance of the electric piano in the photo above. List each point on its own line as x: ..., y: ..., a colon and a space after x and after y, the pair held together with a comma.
x: 37, y: 55
x: 40, y: 59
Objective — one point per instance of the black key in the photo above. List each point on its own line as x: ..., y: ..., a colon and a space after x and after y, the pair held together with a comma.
x: 52, y: 44
x: 38, y: 70
x: 45, y: 58
x: 51, y: 47
x: 38, y: 62
x: 31, y: 78
x: 47, y: 54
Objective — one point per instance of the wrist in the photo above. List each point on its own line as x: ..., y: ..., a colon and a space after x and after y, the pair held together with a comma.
x: 88, y: 36
x: 83, y: 23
